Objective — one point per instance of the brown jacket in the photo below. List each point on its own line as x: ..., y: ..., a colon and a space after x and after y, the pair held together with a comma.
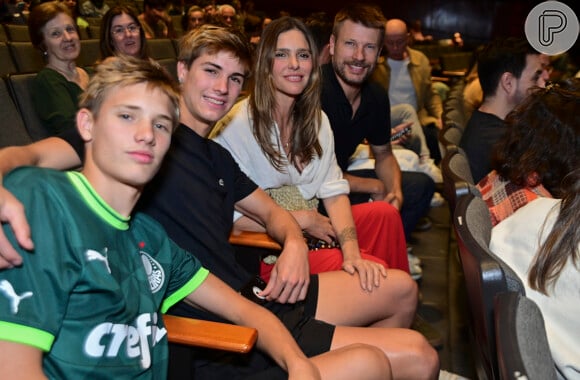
x: 429, y: 104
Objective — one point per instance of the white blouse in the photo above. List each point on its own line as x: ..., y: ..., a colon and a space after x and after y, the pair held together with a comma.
x: 321, y: 178
x: 516, y: 240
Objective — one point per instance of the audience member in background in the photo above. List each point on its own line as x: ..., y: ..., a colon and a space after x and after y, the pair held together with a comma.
x: 155, y: 20
x: 416, y: 33
x: 472, y: 93
x: 127, y: 118
x: 227, y: 14
x: 280, y: 138
x: 540, y: 147
x: 193, y: 18
x: 209, y: 8
x: 406, y: 75
x: 359, y: 109
x: 176, y: 7
x: 12, y: 12
x: 507, y: 69
x: 121, y: 33
x: 541, y: 243
x: 56, y: 88
x: 73, y: 7
x: 320, y: 27
x: 94, y: 8
x: 195, y: 203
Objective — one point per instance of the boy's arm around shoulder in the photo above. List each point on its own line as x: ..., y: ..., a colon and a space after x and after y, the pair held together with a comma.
x: 53, y: 153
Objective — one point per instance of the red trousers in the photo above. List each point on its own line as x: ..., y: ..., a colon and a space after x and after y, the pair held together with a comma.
x: 380, y: 238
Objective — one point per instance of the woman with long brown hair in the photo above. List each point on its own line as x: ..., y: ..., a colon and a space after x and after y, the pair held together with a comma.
x: 281, y: 138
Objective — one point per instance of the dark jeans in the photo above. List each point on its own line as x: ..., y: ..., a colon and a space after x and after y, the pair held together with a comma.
x: 418, y: 189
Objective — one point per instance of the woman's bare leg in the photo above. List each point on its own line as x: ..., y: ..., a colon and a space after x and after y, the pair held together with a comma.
x: 409, y: 353
x: 342, y: 302
x: 387, y: 311
x: 356, y: 361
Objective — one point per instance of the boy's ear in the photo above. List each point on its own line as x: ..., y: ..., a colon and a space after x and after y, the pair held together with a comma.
x: 181, y: 71
x: 85, y: 123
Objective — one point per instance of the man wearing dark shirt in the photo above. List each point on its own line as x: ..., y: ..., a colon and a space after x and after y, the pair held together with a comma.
x: 507, y: 69
x: 359, y: 110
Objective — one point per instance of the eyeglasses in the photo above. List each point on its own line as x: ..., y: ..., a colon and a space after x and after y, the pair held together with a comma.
x: 120, y: 30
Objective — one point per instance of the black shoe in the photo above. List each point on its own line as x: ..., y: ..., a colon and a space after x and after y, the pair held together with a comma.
x: 423, y: 224
x: 428, y: 331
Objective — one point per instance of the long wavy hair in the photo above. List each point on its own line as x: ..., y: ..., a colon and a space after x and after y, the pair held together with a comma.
x: 542, y: 140
x: 562, y: 242
x: 306, y: 114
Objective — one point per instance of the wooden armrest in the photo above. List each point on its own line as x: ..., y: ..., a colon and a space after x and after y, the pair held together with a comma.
x: 221, y: 336
x: 254, y: 239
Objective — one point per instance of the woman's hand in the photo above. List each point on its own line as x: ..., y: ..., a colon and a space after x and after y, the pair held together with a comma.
x: 370, y: 272
x: 315, y: 224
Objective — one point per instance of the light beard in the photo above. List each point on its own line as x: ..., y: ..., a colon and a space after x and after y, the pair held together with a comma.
x: 340, y: 70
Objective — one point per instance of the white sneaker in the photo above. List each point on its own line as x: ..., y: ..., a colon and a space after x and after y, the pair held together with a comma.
x: 416, y: 272
x: 413, y: 260
x: 428, y: 167
x: 437, y: 200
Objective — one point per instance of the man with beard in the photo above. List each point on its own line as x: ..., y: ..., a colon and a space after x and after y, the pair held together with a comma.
x: 507, y: 69
x: 359, y: 110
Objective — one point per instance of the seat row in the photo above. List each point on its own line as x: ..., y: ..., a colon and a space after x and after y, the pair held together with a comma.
x: 506, y: 328
x: 19, y: 32
x: 19, y: 123
x: 23, y: 57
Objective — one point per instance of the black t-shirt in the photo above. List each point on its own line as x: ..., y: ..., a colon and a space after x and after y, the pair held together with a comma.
x: 481, y: 133
x: 372, y: 120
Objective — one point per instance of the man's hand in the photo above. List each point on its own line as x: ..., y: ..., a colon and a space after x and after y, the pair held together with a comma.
x: 12, y: 212
x: 370, y: 272
x: 290, y: 276
x: 404, y: 138
x: 396, y: 200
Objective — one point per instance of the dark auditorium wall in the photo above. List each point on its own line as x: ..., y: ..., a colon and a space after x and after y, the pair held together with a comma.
x: 476, y: 20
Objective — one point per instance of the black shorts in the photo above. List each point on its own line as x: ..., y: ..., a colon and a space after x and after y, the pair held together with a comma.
x: 314, y: 337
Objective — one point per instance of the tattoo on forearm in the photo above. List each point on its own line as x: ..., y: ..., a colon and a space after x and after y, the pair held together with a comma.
x: 348, y: 234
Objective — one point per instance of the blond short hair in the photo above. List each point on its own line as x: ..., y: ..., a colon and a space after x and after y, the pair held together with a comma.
x: 125, y: 71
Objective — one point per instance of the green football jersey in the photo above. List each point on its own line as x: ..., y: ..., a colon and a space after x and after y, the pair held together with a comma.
x: 91, y: 292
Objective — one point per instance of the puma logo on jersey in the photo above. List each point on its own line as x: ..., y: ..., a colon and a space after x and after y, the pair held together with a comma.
x: 8, y: 290
x: 95, y: 255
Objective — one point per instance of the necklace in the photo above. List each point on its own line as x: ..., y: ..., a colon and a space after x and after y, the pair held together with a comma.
x: 71, y: 76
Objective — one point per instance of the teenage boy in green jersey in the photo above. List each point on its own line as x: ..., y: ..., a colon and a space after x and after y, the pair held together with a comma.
x: 85, y: 303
